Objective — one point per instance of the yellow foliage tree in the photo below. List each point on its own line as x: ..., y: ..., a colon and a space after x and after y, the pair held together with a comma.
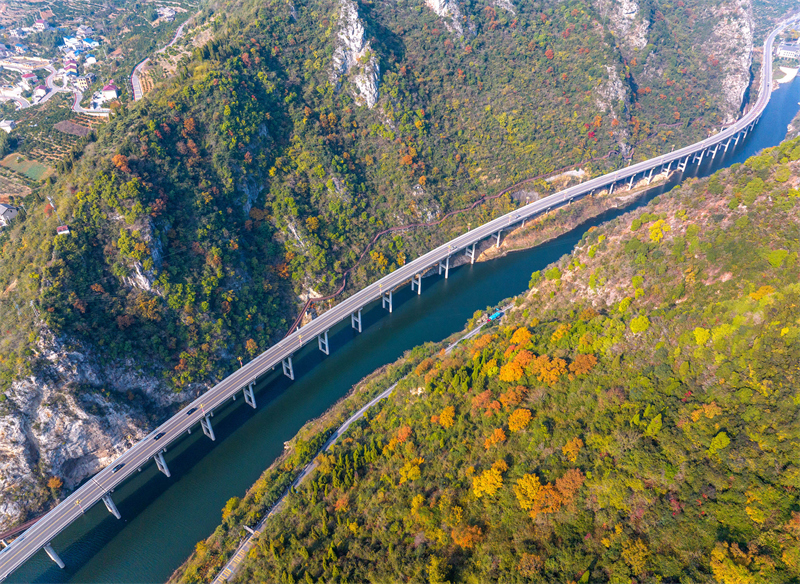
x: 636, y: 555
x: 519, y: 420
x: 487, y: 483
x: 511, y: 372
x: 572, y: 448
x: 447, y: 417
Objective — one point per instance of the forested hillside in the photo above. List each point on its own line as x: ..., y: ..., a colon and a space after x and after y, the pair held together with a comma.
x: 633, y: 418
x: 287, y: 143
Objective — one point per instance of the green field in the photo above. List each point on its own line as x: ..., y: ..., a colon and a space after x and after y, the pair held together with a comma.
x: 30, y: 168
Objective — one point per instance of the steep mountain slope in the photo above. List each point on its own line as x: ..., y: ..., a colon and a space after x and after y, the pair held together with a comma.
x: 634, y: 417
x: 283, y: 147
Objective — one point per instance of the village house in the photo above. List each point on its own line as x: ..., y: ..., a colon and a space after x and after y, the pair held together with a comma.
x: 8, y: 125
x: 7, y: 214
x: 109, y: 92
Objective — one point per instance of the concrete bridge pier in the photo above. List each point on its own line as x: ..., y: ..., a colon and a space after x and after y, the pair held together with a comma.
x: 53, y: 555
x: 205, y: 423
x: 322, y: 341
x: 161, y: 464
x: 650, y: 176
x: 387, y: 299
x: 416, y: 280
x: 470, y: 253
x: 110, y: 506
x: 498, y: 238
x: 630, y: 184
x: 682, y: 164
x: 727, y: 143
x: 355, y: 321
x: 249, y: 395
x: 714, y: 153
x: 611, y: 189
x: 288, y: 370
x: 445, y: 266
x: 738, y: 136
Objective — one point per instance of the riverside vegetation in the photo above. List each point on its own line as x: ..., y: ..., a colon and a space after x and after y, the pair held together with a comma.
x: 262, y: 170
x: 633, y: 418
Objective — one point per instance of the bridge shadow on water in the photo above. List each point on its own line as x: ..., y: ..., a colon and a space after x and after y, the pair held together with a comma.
x: 162, y: 519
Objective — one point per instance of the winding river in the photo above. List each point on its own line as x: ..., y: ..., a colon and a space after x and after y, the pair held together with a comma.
x: 162, y: 519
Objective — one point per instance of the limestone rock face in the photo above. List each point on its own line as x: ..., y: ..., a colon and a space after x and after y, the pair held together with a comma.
x: 354, y: 56
x: 449, y: 11
x: 69, y: 420
x: 731, y: 44
x: 629, y: 26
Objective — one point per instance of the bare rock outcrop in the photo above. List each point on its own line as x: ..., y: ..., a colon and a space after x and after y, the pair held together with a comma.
x: 69, y: 420
x: 731, y: 42
x: 354, y: 56
x: 449, y: 11
x: 626, y: 21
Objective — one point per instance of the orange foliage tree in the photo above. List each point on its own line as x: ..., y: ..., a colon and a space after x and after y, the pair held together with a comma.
x: 495, y: 437
x: 467, y: 536
x: 582, y: 364
x: 519, y: 420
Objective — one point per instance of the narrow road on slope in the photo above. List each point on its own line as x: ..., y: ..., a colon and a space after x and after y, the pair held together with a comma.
x: 244, y: 548
x: 137, y: 71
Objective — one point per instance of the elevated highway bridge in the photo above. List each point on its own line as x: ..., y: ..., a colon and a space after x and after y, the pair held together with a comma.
x: 200, y: 411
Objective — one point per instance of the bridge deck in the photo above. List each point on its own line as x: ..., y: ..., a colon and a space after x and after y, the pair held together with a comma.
x: 92, y: 491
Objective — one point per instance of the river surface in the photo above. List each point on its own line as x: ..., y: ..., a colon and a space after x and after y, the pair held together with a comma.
x: 162, y: 519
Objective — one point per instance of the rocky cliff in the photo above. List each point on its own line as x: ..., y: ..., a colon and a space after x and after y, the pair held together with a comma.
x: 721, y: 43
x: 354, y: 56
x: 69, y: 420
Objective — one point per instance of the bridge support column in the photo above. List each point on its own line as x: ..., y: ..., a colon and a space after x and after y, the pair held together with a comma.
x: 110, y: 506
x: 470, y: 253
x: 727, y: 143
x: 630, y: 184
x: 736, y: 141
x: 611, y: 189
x: 682, y: 164
x: 205, y: 423
x: 498, y: 238
x: 355, y: 321
x: 714, y: 153
x: 322, y: 341
x: 288, y: 370
x: 650, y: 176
x: 416, y: 280
x: 249, y: 395
x: 446, y: 267
x: 669, y: 166
x: 161, y: 464
x: 386, y: 299
x: 53, y: 555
